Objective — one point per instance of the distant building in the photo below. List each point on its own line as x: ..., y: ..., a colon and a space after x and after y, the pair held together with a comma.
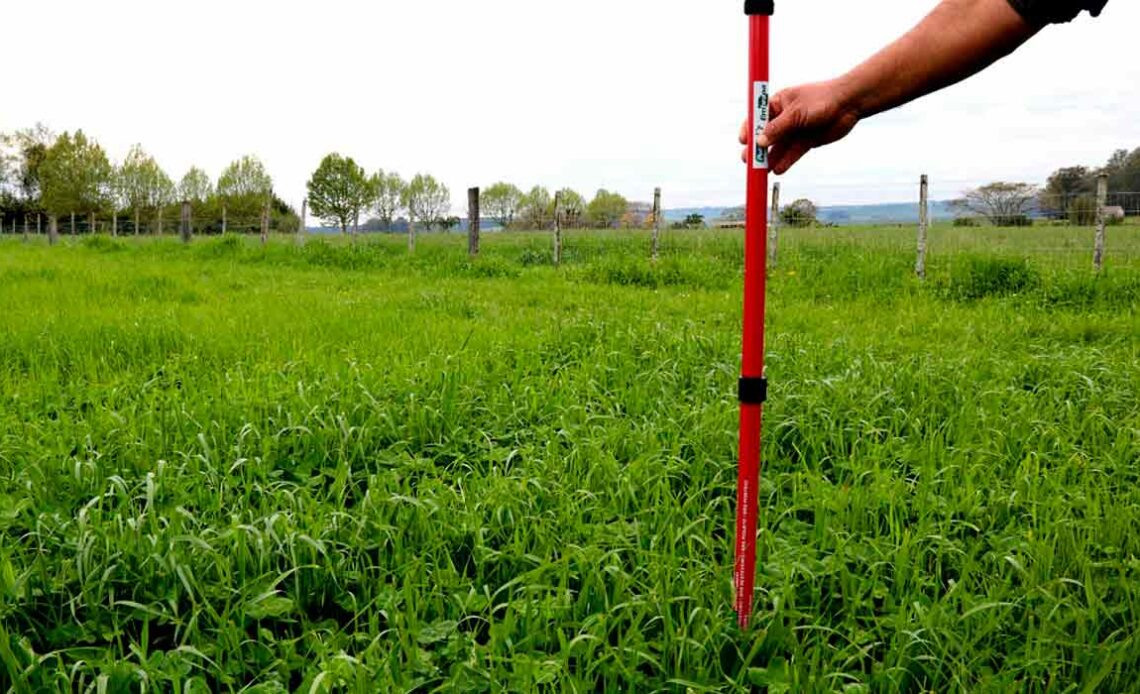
x: 728, y: 224
x: 637, y: 214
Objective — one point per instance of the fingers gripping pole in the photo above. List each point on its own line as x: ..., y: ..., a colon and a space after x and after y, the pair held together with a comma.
x: 753, y: 387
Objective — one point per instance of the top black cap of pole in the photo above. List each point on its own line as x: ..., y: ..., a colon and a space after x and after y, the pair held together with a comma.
x: 753, y: 7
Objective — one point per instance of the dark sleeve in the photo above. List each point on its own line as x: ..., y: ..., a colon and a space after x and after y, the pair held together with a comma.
x: 1042, y: 12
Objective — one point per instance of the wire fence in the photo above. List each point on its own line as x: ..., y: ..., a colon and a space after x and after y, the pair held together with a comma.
x: 1058, y: 229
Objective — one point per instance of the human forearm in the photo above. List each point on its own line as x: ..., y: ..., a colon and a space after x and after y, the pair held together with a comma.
x: 956, y: 40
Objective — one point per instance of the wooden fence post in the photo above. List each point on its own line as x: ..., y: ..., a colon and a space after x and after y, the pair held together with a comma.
x: 304, y: 217
x: 223, y: 218
x: 160, y: 220
x: 774, y: 228
x: 138, y: 223
x: 91, y: 223
x: 656, y: 223
x: 73, y: 224
x: 185, y: 222
x: 25, y: 227
x: 38, y: 230
x: 53, y: 230
x: 1101, y: 221
x: 473, y: 222
x: 923, y: 226
x: 265, y: 223
x: 558, y: 229
x: 114, y: 223
x: 411, y: 233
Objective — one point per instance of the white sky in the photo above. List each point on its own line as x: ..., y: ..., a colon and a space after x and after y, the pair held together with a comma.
x: 626, y: 94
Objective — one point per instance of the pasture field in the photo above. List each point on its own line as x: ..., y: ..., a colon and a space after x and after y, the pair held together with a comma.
x: 225, y: 467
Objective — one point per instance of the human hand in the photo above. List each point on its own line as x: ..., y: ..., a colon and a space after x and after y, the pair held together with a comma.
x: 802, y: 118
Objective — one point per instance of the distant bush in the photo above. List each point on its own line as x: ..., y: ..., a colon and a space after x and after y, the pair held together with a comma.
x: 1082, y: 211
x: 967, y: 222
x: 531, y: 257
x: 1013, y: 220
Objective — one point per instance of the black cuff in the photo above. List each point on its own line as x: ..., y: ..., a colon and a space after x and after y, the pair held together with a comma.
x: 755, y: 7
x: 753, y: 391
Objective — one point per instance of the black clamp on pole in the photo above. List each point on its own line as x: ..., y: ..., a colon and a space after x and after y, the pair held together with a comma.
x: 753, y: 391
x: 755, y: 7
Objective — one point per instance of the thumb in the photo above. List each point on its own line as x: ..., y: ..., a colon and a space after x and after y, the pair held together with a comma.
x: 781, y: 119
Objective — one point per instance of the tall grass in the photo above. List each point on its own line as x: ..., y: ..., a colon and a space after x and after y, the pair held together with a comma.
x: 337, y: 467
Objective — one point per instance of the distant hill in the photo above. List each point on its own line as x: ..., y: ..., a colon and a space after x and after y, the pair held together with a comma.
x: 887, y: 213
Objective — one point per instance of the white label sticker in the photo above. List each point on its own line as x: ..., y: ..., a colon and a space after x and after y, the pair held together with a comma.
x: 760, y: 121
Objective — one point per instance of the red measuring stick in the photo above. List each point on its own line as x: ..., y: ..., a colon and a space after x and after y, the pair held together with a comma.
x: 753, y: 386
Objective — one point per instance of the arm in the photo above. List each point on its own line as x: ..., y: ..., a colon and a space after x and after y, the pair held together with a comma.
x: 958, y: 39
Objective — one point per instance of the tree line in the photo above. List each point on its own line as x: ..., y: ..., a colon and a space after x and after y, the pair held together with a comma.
x: 1069, y: 194
x: 341, y: 192
x: 70, y: 175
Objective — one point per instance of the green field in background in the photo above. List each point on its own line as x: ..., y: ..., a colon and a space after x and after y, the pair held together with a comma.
x: 335, y: 467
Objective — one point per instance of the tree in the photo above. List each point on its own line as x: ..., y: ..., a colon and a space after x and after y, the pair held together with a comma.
x: 75, y: 176
x: 141, y: 185
x: 389, y: 189
x: 7, y: 172
x: 801, y: 213
x: 573, y: 206
x: 195, y: 186
x: 1002, y: 203
x: 501, y: 202
x: 1123, y: 170
x: 536, y: 208
x: 427, y: 200
x: 25, y: 151
x: 695, y: 221
x: 606, y: 209
x: 339, y: 190
x: 1063, y: 188
x: 244, y: 186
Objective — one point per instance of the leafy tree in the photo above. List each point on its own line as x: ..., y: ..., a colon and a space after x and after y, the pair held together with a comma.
x: 1002, y: 203
x: 501, y: 202
x: 24, y: 152
x: 449, y: 223
x: 536, y: 208
x: 1063, y: 188
x: 244, y: 186
x: 195, y: 186
x: 695, y: 221
x: 1123, y: 170
x: 572, y: 207
x: 7, y: 173
x: 427, y: 200
x: 801, y: 213
x: 389, y: 189
x: 75, y: 176
x: 606, y: 209
x: 339, y: 190
x: 141, y: 186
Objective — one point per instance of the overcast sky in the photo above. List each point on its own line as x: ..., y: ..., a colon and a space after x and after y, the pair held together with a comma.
x: 625, y: 94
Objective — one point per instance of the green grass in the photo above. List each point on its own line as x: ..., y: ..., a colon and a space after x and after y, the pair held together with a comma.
x: 332, y: 468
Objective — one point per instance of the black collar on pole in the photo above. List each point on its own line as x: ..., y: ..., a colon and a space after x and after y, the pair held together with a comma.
x: 754, y: 7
